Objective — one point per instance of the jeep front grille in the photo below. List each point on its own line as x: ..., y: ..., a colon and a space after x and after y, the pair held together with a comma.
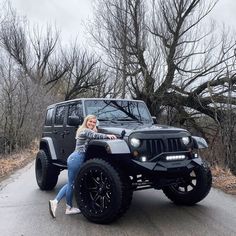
x: 174, y: 145
x: 157, y: 146
x: 154, y: 147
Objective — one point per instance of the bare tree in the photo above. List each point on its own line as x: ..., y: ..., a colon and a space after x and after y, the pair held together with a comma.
x: 35, y: 71
x: 31, y: 50
x: 79, y: 73
x: 112, y: 32
x: 227, y: 128
x: 172, y: 61
x: 14, y: 104
x: 41, y: 57
x: 171, y: 58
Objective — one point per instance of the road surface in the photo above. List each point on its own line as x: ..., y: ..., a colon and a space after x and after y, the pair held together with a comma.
x: 24, y: 212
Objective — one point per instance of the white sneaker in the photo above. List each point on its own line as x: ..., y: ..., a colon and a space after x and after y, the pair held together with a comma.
x: 52, y: 208
x: 72, y: 211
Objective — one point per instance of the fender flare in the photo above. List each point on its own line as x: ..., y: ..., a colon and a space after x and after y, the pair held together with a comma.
x: 199, y: 142
x: 48, y: 141
x: 118, y: 146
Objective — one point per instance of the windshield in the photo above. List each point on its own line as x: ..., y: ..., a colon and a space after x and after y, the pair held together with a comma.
x: 118, y: 110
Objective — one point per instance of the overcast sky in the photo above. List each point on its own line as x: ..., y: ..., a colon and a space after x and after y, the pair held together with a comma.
x: 69, y: 15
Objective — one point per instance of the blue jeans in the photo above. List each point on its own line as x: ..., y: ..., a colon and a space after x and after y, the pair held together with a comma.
x: 74, y: 163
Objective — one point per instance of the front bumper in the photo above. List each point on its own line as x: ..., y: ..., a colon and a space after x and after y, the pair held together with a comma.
x: 169, y: 166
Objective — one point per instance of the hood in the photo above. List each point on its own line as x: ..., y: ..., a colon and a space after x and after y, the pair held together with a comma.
x: 145, y: 128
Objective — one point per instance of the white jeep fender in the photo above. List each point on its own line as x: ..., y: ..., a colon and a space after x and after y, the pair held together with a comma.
x: 117, y: 146
x: 50, y: 145
x: 200, y: 142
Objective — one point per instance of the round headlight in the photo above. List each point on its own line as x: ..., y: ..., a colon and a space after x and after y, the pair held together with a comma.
x: 186, y: 140
x: 135, y: 142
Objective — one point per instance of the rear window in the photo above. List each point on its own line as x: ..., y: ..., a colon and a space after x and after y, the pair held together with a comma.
x: 76, y: 109
x: 59, y: 116
x: 48, y: 120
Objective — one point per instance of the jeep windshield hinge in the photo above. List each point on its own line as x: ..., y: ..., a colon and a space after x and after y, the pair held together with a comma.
x: 122, y: 134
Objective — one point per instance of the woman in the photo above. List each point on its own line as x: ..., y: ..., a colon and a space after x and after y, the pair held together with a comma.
x: 85, y: 132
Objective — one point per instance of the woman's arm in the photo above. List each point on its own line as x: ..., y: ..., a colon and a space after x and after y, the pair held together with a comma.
x: 88, y: 133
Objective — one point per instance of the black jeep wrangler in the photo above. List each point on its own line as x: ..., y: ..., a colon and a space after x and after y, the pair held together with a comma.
x: 145, y: 155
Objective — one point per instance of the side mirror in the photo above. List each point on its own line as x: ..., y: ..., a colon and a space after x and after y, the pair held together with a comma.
x: 154, y: 120
x: 75, y: 120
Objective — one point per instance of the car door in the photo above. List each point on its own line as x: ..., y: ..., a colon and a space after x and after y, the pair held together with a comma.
x: 58, y: 133
x: 74, y: 109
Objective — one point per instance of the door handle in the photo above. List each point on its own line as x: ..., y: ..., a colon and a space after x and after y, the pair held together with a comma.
x: 65, y: 132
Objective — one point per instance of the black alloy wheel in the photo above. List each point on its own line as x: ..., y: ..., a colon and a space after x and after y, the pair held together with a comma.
x: 100, y: 192
x: 192, y: 188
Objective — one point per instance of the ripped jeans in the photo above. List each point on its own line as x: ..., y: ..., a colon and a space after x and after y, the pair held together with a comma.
x: 74, y: 163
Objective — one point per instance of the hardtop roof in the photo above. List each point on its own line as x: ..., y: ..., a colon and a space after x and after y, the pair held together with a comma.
x: 84, y: 99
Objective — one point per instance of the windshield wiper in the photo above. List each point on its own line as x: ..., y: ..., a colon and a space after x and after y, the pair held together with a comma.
x: 112, y: 121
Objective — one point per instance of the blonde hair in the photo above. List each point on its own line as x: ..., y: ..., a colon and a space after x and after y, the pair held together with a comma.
x: 84, y: 124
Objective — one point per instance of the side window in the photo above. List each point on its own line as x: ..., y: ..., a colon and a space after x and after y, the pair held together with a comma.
x: 75, y: 110
x: 48, y: 119
x: 60, y: 114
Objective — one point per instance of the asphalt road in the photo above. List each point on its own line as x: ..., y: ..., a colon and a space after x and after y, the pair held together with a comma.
x: 24, y: 211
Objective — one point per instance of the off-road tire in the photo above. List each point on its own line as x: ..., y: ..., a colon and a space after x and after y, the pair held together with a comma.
x: 46, y: 173
x: 127, y: 193
x: 101, y: 191
x: 195, y: 188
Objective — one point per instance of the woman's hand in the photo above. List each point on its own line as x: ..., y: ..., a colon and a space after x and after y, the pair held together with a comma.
x: 111, y: 136
x: 95, y: 129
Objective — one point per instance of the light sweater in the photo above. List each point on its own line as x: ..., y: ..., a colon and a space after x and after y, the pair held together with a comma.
x: 84, y: 137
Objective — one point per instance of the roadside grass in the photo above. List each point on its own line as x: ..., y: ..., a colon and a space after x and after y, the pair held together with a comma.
x: 224, y: 180
x: 12, y: 162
